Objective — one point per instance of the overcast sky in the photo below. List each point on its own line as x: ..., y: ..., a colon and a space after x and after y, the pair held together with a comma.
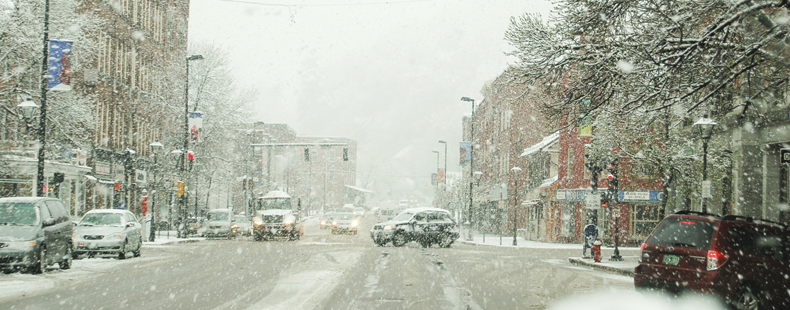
x: 389, y: 74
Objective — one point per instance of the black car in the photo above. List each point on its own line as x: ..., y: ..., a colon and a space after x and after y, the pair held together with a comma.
x: 426, y: 226
x: 35, y: 232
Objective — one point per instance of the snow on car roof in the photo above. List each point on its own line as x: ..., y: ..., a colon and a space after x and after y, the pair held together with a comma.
x: 106, y: 211
x: 276, y: 194
x: 422, y: 209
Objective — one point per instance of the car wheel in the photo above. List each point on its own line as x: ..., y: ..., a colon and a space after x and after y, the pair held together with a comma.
x: 122, y: 251
x: 66, y: 262
x: 399, y: 240
x: 139, y: 247
x: 425, y: 243
x: 41, y: 263
x: 447, y: 240
x: 256, y: 236
x: 747, y: 299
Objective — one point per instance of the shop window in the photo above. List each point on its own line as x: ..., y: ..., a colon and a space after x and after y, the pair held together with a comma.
x: 643, y: 219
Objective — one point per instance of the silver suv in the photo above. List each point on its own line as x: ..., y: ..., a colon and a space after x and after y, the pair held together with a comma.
x: 426, y: 226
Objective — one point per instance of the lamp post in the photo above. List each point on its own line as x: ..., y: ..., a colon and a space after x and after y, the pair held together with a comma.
x: 155, y: 148
x: 516, y: 170
x: 42, y: 118
x: 704, y: 128
x: 186, y: 128
x: 444, y: 179
x: 471, y: 161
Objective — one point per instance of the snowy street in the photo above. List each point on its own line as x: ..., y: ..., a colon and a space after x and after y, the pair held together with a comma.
x: 322, y: 271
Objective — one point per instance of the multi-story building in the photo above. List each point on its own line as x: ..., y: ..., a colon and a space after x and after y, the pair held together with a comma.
x: 318, y: 172
x: 505, y: 123
x: 126, y: 75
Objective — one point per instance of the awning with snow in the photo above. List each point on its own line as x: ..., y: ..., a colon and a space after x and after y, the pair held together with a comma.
x: 356, y: 188
x: 540, y: 145
x: 548, y: 182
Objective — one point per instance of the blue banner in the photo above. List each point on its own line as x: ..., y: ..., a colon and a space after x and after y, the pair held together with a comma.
x: 466, y: 152
x: 59, y: 70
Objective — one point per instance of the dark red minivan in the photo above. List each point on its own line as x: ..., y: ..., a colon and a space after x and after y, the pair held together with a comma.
x: 743, y: 261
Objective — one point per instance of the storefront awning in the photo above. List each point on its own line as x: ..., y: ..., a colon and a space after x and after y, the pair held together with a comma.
x: 540, y: 145
x: 529, y: 203
x: 549, y: 182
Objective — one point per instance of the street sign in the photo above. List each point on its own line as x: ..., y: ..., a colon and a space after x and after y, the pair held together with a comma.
x: 593, y: 201
x: 785, y: 156
x: 706, y: 189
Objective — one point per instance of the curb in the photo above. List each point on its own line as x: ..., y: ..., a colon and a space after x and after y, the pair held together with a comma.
x: 173, y: 242
x: 625, y: 272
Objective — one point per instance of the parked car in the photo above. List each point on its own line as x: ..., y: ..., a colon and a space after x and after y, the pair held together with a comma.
x: 108, y: 231
x: 220, y: 223
x: 35, y: 232
x: 426, y: 226
x: 742, y: 260
x: 325, y: 221
x: 345, y: 222
x: 243, y: 225
x: 194, y: 225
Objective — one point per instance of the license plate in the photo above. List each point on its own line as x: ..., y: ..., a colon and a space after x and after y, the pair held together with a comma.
x: 671, y: 260
x: 272, y: 230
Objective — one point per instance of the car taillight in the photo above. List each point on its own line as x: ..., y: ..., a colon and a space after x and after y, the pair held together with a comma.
x: 643, y: 246
x: 715, y: 260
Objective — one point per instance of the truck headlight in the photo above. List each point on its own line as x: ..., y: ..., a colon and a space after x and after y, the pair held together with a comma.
x: 334, y: 222
x: 388, y: 227
x: 354, y: 223
x: 288, y: 222
x: 323, y: 222
x: 257, y: 222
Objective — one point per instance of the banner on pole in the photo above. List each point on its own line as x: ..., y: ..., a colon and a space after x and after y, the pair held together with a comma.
x: 59, y: 70
x: 195, y: 126
x: 466, y: 152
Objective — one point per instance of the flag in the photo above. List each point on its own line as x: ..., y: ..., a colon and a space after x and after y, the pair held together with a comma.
x: 466, y: 152
x: 195, y: 126
x: 59, y: 70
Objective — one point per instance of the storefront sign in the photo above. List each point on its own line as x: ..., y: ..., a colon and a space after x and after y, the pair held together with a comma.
x: 641, y: 195
x: 102, y: 168
x: 784, y: 156
x: 593, y: 201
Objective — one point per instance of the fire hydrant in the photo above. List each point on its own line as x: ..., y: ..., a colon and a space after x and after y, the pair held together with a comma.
x: 596, y: 249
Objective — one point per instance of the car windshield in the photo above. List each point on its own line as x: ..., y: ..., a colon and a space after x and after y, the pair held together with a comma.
x: 219, y: 216
x: 683, y: 233
x: 101, y: 219
x: 18, y: 214
x: 403, y: 217
x: 240, y: 218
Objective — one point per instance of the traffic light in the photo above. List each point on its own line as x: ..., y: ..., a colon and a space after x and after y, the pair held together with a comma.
x: 306, y: 154
x: 345, y: 154
x: 180, y: 189
x: 612, y: 180
x: 191, y: 159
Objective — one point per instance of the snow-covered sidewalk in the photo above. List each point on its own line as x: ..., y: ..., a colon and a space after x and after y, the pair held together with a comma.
x: 624, y: 267
x: 165, y: 237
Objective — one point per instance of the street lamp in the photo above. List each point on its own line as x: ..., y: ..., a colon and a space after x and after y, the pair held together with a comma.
x: 186, y: 126
x: 516, y: 170
x: 155, y: 148
x: 471, y: 160
x: 704, y: 129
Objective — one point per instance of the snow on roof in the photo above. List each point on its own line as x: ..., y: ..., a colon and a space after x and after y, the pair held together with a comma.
x: 276, y: 194
x: 359, y: 189
x: 274, y: 212
x: 540, y: 145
